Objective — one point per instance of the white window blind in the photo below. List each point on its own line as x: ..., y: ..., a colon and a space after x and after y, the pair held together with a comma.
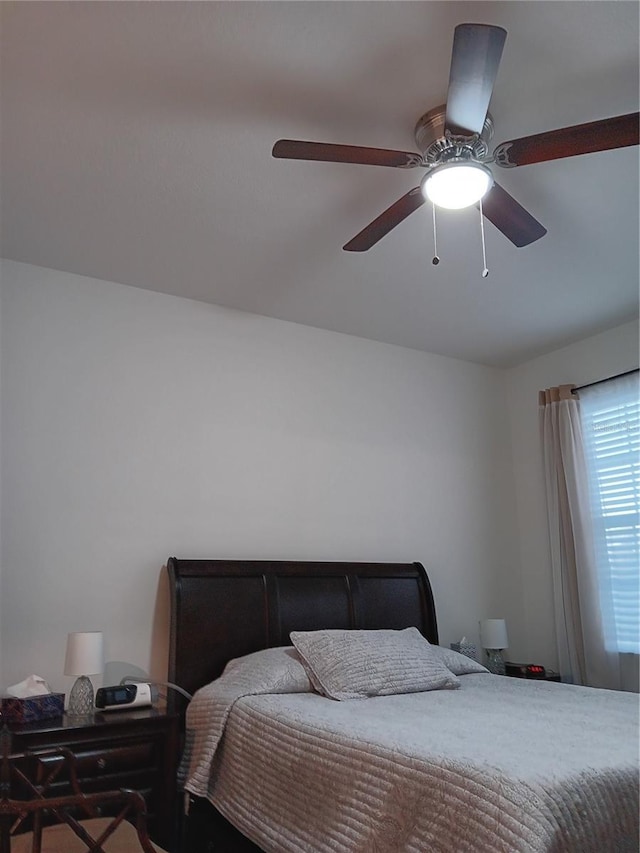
x: 610, y: 414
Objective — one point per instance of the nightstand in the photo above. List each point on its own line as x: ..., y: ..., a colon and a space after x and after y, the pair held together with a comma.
x: 549, y: 676
x: 135, y: 749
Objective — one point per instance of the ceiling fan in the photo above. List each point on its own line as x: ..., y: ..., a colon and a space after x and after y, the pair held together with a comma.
x: 453, y: 139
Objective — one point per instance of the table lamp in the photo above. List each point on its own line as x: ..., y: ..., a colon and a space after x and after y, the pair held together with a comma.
x: 84, y: 657
x: 493, y: 636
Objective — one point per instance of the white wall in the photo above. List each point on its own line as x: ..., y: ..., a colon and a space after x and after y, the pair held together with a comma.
x: 137, y: 425
x: 589, y: 360
x: 0, y: 488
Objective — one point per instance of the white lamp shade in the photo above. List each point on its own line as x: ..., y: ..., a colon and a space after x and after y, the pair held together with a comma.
x: 493, y: 634
x: 85, y: 653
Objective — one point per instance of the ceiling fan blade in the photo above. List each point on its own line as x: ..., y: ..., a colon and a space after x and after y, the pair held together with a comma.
x: 511, y: 218
x: 477, y: 49
x: 293, y: 149
x: 603, y: 135
x: 391, y: 217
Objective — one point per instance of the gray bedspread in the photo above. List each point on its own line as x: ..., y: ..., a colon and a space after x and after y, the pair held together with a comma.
x: 501, y: 765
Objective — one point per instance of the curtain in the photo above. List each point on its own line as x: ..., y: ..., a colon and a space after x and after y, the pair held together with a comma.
x: 583, y: 658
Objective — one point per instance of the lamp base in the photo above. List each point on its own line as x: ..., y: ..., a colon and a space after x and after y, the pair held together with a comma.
x: 81, y: 697
x: 495, y: 662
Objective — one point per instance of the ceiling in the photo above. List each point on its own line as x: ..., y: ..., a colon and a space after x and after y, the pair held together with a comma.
x: 136, y: 148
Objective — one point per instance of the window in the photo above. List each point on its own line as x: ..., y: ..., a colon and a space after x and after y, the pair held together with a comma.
x: 610, y: 413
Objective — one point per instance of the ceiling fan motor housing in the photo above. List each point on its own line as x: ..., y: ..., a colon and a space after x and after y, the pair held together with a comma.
x: 439, y: 146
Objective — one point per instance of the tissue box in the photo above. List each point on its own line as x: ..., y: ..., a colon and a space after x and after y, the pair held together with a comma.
x: 468, y: 649
x: 33, y: 708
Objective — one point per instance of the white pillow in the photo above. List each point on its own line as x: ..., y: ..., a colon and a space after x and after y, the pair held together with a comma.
x: 276, y: 670
x: 458, y: 664
x: 351, y: 664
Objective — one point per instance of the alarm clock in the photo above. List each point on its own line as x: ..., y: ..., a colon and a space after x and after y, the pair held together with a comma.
x: 123, y: 696
x: 524, y: 670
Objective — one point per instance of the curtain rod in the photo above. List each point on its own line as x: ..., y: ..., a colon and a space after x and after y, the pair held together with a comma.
x: 608, y: 379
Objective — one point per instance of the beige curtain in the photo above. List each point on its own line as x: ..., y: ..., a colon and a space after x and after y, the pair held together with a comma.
x: 578, y: 619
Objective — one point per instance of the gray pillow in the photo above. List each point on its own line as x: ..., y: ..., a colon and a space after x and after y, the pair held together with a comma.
x: 275, y: 670
x: 457, y: 663
x: 346, y: 664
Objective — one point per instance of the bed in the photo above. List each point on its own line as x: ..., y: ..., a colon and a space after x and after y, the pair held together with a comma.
x: 496, y: 764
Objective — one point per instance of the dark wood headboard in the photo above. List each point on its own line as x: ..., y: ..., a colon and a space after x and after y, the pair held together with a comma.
x: 222, y: 609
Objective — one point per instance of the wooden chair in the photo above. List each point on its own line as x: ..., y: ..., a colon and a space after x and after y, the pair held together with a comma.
x: 33, y: 819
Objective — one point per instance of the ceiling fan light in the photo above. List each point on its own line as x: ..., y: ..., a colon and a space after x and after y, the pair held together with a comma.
x: 457, y: 185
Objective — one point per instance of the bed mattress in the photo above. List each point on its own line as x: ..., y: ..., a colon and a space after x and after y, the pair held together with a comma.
x: 500, y: 765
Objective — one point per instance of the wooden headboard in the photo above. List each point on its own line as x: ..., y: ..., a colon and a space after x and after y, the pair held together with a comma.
x: 221, y: 609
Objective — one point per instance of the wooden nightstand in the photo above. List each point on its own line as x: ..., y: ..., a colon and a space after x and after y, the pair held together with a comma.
x: 550, y: 676
x: 119, y: 749
x: 553, y: 676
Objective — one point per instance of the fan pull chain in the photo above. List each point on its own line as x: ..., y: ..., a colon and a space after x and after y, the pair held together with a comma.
x: 435, y: 260
x: 485, y: 271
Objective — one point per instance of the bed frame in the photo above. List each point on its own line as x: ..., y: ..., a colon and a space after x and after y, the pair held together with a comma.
x: 222, y: 609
